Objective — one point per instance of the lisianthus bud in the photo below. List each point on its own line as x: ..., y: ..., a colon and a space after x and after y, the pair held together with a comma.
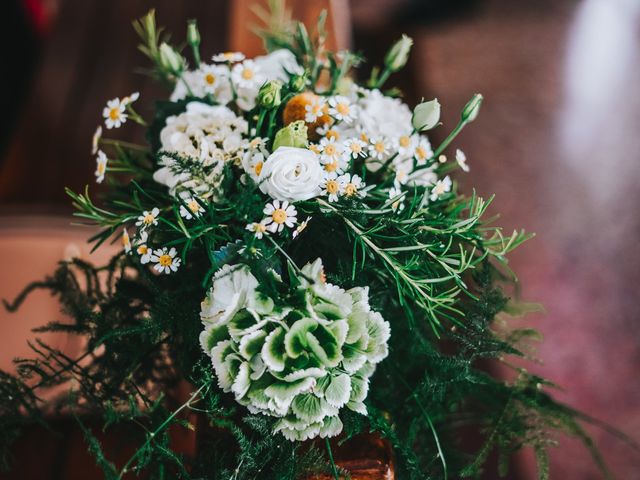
x: 170, y: 59
x: 269, y: 95
x: 426, y: 115
x: 193, y: 35
x: 293, y: 135
x: 472, y: 108
x: 398, y: 55
x: 297, y: 82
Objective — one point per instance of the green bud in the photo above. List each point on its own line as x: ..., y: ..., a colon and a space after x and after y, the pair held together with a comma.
x: 293, y: 135
x: 297, y: 83
x: 269, y: 95
x: 171, y: 60
x: 472, y: 108
x: 193, y: 35
x: 398, y: 55
x: 426, y: 115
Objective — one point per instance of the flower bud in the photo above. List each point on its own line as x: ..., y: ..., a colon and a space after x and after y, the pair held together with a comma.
x: 293, y: 135
x: 170, y: 60
x: 269, y: 95
x: 297, y: 83
x: 472, y: 108
x: 426, y: 115
x: 193, y: 35
x: 398, y: 55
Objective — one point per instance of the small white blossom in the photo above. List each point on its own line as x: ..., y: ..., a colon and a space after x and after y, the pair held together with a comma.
x: 101, y: 166
x: 130, y: 98
x: 247, y: 75
x: 126, y: 241
x: 332, y: 187
x: 379, y: 148
x: 315, y: 110
x: 422, y: 151
x: 354, y: 148
x: 405, y: 145
x: 440, y: 188
x: 259, y: 229
x: 148, y: 218
x: 95, y: 140
x: 193, y: 209
x: 114, y: 113
x: 228, y: 57
x: 142, y: 249
x: 341, y: 109
x: 301, y: 227
x: 397, y: 205
x: 280, y: 215
x: 165, y: 260
x: 351, y: 185
x: 461, y: 158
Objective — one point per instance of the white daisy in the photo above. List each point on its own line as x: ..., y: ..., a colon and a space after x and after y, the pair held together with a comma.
x: 101, y: 166
x: 215, y: 81
x: 328, y: 131
x: 247, y: 75
x: 193, y: 209
x: 379, y: 148
x: 422, y: 151
x: 405, y: 145
x: 341, y: 109
x: 332, y: 187
x: 130, y: 98
x: 228, y: 57
x: 95, y: 141
x: 354, y: 148
x: 148, y: 218
x: 351, y: 184
x: 126, y: 241
x: 142, y: 249
x: 279, y: 215
x: 314, y: 110
x: 461, y: 158
x: 259, y: 229
x: 397, y: 205
x: 440, y: 188
x: 114, y: 113
x: 331, y: 155
x: 301, y: 227
x: 165, y: 261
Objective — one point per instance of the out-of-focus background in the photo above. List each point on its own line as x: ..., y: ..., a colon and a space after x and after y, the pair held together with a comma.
x: 557, y: 141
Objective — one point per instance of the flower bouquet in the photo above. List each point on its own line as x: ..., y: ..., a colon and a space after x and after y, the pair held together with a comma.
x: 295, y: 249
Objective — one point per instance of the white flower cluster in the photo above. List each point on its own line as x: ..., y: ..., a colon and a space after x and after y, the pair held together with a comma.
x: 299, y: 364
x: 233, y: 73
x: 205, y: 137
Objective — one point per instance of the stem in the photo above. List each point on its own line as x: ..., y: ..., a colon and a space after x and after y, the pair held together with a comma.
x: 333, y: 463
x: 447, y: 141
x: 384, y: 76
x: 118, y: 143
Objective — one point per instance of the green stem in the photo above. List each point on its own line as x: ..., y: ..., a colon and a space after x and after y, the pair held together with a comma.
x: 333, y: 463
x: 447, y: 141
x: 384, y: 76
x: 118, y: 143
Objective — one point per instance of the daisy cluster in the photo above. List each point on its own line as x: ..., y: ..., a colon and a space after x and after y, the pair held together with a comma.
x: 301, y: 365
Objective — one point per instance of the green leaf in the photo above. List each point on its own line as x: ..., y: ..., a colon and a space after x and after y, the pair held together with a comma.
x: 273, y: 351
x: 308, y: 407
x: 338, y: 392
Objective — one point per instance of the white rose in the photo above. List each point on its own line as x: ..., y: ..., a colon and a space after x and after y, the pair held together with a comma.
x: 291, y: 174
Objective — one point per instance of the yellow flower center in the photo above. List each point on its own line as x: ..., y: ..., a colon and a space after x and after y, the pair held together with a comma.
x: 125, y: 240
x: 247, y: 74
x: 194, y: 206
x: 114, y: 113
x: 350, y: 189
x: 279, y: 216
x: 421, y: 153
x: 355, y: 147
x: 148, y: 219
x: 332, y: 186
x: 259, y: 228
x: 258, y: 168
x: 331, y: 167
x: 404, y: 141
x: 165, y: 260
x: 333, y: 134
x: 342, y: 108
x: 228, y: 55
x: 379, y: 147
x: 314, y: 148
x: 210, y: 78
x: 364, y: 137
x: 143, y: 249
x: 101, y: 168
x: 330, y: 149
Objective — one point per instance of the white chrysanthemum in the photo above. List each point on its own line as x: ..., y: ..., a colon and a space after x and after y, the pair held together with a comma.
x: 379, y: 115
x: 440, y: 188
x: 406, y: 175
x: 280, y: 215
x: 259, y: 229
x: 101, y: 166
x: 315, y: 109
x: 247, y: 75
x: 165, y: 260
x: 291, y: 174
x: 142, y: 249
x: 300, y: 366
x: 126, y: 241
x: 351, y: 185
x: 342, y: 109
x: 354, y: 148
x: 206, y: 137
x: 148, y: 218
x: 228, y: 57
x: 398, y: 204
x: 331, y: 187
x: 193, y: 208
x: 114, y: 113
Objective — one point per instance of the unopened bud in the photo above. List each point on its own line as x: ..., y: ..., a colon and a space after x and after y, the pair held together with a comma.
x: 426, y: 115
x: 297, y: 83
x: 171, y: 60
x: 472, y: 108
x: 269, y: 95
x: 398, y: 55
x: 193, y: 35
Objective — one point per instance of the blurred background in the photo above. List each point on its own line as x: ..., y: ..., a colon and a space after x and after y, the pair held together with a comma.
x: 557, y: 142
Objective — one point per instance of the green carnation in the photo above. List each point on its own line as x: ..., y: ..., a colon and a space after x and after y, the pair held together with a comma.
x: 301, y: 365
